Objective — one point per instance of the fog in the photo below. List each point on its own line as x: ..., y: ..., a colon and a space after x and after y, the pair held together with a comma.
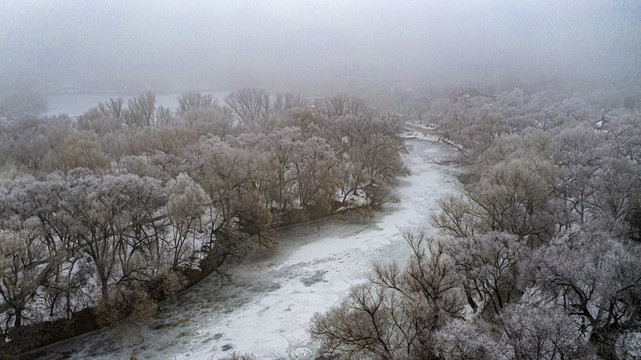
x: 120, y: 45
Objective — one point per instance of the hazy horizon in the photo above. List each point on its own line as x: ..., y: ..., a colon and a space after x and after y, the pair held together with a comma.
x: 280, y: 44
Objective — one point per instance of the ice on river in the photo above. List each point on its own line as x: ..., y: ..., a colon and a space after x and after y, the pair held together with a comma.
x: 266, y: 306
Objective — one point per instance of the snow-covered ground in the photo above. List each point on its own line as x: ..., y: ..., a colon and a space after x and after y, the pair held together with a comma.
x: 266, y: 306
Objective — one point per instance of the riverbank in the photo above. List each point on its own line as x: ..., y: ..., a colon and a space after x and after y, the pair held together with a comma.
x: 32, y: 337
x: 266, y: 305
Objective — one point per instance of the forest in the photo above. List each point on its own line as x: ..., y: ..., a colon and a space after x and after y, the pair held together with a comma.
x: 320, y: 179
x: 105, y: 215
x: 537, y: 258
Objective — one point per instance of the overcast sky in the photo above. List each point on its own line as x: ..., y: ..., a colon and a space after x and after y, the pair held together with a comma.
x: 277, y: 43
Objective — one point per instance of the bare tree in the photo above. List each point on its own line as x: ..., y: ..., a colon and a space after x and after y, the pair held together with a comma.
x: 25, y: 264
x: 283, y: 102
x: 536, y: 333
x: 395, y: 314
x: 112, y: 108
x: 80, y: 151
x: 596, y: 279
x: 490, y: 264
x: 186, y: 206
x: 194, y: 100
x: 342, y: 105
x: 250, y: 105
x: 140, y: 110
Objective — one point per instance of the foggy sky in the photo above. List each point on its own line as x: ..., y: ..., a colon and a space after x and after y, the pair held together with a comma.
x: 276, y: 43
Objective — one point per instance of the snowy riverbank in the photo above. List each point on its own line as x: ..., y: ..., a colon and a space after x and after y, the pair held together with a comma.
x: 266, y: 306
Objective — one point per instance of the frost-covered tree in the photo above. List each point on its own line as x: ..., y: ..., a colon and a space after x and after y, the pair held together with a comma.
x: 140, y: 110
x: 283, y: 102
x: 395, y: 314
x: 194, y: 100
x: 80, y: 151
x: 373, y: 153
x: 25, y: 264
x: 490, y: 265
x: 531, y: 332
x: 250, y: 105
x: 513, y: 196
x: 467, y: 340
x: 186, y: 207
x: 342, y: 105
x: 114, y: 221
x: 314, y: 166
x: 280, y: 144
x: 595, y: 278
x: 136, y: 199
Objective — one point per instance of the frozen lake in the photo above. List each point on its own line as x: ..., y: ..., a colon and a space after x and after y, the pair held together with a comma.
x: 266, y: 306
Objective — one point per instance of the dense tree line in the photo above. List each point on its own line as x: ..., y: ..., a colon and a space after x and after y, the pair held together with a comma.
x: 539, y: 257
x: 123, y: 205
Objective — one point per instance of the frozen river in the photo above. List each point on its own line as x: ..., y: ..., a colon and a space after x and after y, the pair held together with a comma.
x: 266, y: 306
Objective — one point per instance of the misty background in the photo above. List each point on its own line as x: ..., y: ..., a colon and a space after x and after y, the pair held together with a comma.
x: 316, y: 44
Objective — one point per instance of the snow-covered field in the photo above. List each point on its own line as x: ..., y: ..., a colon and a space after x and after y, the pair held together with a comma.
x: 266, y: 306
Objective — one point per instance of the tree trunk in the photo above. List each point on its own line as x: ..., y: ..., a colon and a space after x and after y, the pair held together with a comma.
x: 18, y: 322
x: 470, y: 299
x: 105, y: 290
